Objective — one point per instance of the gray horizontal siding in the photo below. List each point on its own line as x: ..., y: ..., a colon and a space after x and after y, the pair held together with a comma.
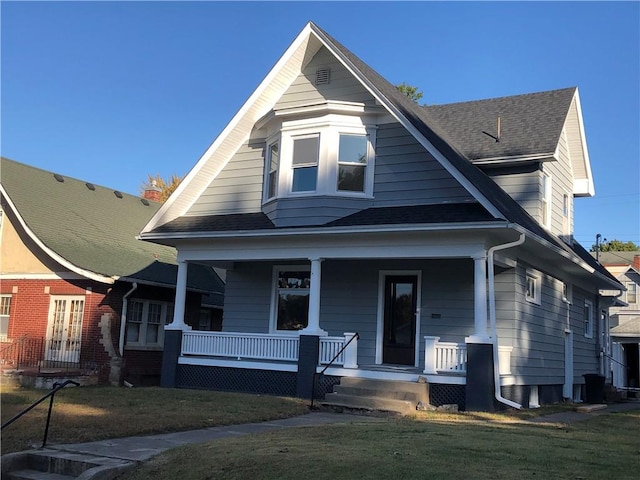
x: 524, y: 188
x: 247, y: 299
x: 406, y: 174
x: 342, y: 86
x: 238, y: 187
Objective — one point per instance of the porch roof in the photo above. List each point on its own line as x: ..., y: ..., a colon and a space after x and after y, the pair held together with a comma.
x: 416, y: 214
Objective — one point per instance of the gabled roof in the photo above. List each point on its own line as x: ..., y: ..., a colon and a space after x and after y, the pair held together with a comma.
x: 90, y: 229
x: 629, y: 328
x: 530, y: 124
x: 422, y: 123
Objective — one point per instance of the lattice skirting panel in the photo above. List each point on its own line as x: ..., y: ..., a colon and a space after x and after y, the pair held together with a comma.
x: 442, y: 394
x: 324, y: 385
x: 267, y: 382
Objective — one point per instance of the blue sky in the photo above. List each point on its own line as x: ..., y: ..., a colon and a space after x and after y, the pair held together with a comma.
x: 109, y: 92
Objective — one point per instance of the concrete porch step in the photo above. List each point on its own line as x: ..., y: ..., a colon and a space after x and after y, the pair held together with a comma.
x: 369, y: 403
x: 393, y: 389
x: 36, y: 475
x: 52, y: 464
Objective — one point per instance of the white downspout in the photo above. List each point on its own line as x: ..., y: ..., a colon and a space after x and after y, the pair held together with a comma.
x: 123, y: 317
x: 492, y: 319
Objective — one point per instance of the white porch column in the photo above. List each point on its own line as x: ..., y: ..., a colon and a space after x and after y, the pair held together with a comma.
x: 313, y: 325
x: 480, y: 334
x: 181, y: 295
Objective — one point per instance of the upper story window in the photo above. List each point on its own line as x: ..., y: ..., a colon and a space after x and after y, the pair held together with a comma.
x: 273, y: 162
x: 632, y: 292
x: 304, y: 164
x: 329, y: 155
x: 546, y: 200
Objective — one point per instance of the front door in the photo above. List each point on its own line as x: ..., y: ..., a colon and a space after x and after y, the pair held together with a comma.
x: 400, y: 297
x: 64, y: 332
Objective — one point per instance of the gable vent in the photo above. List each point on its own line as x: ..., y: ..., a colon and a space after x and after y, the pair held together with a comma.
x: 323, y: 76
x: 117, y: 193
x: 58, y: 177
x: 91, y: 186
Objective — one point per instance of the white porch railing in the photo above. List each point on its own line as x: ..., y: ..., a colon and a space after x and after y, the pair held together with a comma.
x: 257, y: 346
x: 447, y: 357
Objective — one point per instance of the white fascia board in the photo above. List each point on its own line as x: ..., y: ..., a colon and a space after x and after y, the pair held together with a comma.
x: 583, y: 187
x: 569, y: 256
x: 470, y: 187
x: 235, y: 133
x: 538, y: 157
x: 53, y: 255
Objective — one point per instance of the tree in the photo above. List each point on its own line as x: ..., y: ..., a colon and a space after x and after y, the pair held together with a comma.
x: 412, y: 93
x: 616, y: 246
x: 166, y: 187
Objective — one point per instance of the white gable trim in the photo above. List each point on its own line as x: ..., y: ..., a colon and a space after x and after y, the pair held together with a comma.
x: 258, y: 105
x: 582, y: 187
x: 235, y: 133
x: 53, y: 255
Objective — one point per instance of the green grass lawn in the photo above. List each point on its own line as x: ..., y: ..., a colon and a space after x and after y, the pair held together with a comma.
x: 95, y: 413
x: 457, y: 446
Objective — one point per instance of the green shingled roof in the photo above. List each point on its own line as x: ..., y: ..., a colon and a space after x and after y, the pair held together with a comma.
x: 94, y: 228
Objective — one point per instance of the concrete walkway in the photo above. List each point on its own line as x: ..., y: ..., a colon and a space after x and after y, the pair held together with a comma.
x: 142, y: 448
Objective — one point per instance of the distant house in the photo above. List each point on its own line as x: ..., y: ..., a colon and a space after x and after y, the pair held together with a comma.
x: 79, y: 294
x: 430, y: 242
x: 625, y: 320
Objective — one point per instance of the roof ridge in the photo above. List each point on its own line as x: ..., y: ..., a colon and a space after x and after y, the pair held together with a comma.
x: 490, y: 99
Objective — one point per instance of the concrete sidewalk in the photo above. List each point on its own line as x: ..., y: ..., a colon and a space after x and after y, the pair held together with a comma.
x: 142, y: 448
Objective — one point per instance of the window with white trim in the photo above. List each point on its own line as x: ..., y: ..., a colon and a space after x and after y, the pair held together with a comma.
x: 145, y: 322
x: 5, y: 310
x: 588, y: 319
x: 290, y: 306
x: 546, y: 200
x: 273, y: 164
x: 567, y: 292
x: 632, y: 292
x: 532, y: 287
x: 566, y: 214
x: 330, y: 157
x: 304, y: 163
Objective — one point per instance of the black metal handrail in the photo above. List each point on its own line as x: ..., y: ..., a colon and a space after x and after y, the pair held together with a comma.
x: 56, y: 386
x: 315, y: 374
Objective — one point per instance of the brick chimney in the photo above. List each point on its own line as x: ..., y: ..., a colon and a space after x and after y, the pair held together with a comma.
x: 152, y: 192
x: 636, y: 262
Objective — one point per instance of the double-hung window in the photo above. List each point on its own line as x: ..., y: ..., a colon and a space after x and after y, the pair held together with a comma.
x: 588, y: 319
x: 272, y: 172
x: 352, y: 162
x: 306, y: 151
x: 291, y: 298
x: 632, y: 292
x: 5, y: 309
x: 546, y: 200
x: 532, y: 288
x: 145, y: 322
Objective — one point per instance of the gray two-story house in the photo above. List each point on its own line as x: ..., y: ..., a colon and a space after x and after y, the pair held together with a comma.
x: 368, y: 237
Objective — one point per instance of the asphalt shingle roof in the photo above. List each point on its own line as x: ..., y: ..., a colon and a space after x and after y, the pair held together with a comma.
x: 630, y: 326
x: 94, y: 228
x: 530, y: 124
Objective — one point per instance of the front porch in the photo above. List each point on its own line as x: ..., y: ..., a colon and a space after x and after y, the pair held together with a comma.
x: 444, y: 362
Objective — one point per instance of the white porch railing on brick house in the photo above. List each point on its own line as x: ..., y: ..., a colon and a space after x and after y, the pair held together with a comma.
x: 448, y: 357
x: 265, y: 347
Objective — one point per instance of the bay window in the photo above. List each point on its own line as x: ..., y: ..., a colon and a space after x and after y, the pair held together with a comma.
x: 329, y: 156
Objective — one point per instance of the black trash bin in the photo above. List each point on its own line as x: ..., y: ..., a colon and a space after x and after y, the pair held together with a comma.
x: 594, y: 385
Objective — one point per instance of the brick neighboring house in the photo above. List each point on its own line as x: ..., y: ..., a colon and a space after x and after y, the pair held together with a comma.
x: 625, y: 319
x: 79, y: 294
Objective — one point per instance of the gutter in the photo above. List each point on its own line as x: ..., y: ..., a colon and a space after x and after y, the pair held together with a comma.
x: 123, y: 317
x: 492, y: 318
